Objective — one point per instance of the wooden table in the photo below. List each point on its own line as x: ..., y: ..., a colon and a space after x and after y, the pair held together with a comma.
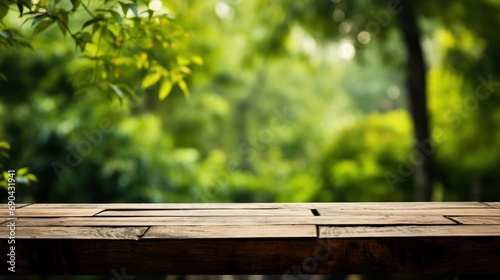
x: 276, y: 238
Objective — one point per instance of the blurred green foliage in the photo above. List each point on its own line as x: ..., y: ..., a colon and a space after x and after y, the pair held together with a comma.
x: 284, y: 105
x: 10, y: 178
x: 119, y: 42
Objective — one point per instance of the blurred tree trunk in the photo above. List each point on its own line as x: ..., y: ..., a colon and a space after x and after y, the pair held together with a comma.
x: 416, y: 86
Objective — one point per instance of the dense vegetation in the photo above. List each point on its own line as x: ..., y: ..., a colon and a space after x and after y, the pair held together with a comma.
x: 204, y: 101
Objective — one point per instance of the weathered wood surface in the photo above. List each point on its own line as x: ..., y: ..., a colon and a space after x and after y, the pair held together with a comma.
x: 231, y: 231
x: 477, y: 220
x: 234, y: 220
x: 494, y: 204
x: 77, y: 232
x: 260, y: 238
x: 28, y: 212
x: 409, y: 231
x: 207, y: 213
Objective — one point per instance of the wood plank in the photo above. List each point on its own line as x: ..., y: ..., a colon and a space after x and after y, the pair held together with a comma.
x: 394, y: 238
x: 117, y: 233
x: 409, y: 231
x: 471, y: 255
x: 414, y: 212
x: 155, y: 206
x: 477, y: 220
x: 494, y: 204
x: 260, y: 220
x: 394, y: 205
x: 385, y: 205
x: 207, y: 212
x: 231, y: 231
x: 28, y: 212
x: 18, y: 205
x: 313, y: 205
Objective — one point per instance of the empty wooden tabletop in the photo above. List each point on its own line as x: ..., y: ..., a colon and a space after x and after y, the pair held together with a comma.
x: 252, y: 238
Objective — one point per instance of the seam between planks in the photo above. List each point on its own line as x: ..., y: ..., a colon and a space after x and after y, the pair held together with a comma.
x: 451, y: 219
x: 189, y: 209
x: 99, y: 212
x: 140, y: 237
x: 315, y: 212
x: 27, y: 204
x: 486, y: 204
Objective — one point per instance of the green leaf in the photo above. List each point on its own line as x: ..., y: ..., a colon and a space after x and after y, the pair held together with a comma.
x: 5, y: 145
x: 95, y: 27
x: 85, y: 36
x: 116, y: 16
x: 108, y: 34
x: 83, y: 39
x: 39, y: 18
x: 42, y: 26
x: 165, y: 88
x: 151, y: 79
x: 3, y: 77
x: 149, y: 12
x: 76, y: 4
x: 182, y: 61
x: 4, y: 154
x: 22, y: 171
x: 23, y: 42
x: 197, y: 59
x: 91, y: 21
x: 124, y: 8
x: 20, y: 7
x: 32, y: 178
x: 62, y: 21
x: 133, y: 8
x: 3, y: 11
x: 183, y: 86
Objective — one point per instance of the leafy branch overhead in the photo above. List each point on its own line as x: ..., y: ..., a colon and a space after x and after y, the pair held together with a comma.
x: 119, y: 41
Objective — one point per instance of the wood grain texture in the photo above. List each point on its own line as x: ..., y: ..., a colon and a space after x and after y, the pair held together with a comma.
x: 312, y: 205
x: 409, y: 231
x: 477, y: 220
x: 230, y: 231
x: 494, y: 204
x: 256, y: 238
x: 27, y: 212
x: 396, y: 205
x: 413, y: 212
x: 261, y: 220
x: 207, y: 213
x: 156, y: 206
x: 76, y: 232
x: 18, y: 206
